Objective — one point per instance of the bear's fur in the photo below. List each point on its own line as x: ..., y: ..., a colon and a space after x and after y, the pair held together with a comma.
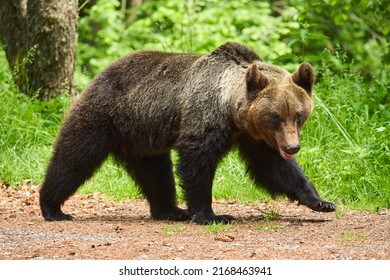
x: 147, y: 103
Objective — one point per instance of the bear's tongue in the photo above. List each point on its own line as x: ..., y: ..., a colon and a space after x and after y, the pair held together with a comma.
x: 285, y: 155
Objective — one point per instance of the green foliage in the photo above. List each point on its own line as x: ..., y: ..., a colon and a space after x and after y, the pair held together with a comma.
x: 360, y: 28
x: 101, y: 40
x: 280, y: 31
x: 177, y: 26
x: 203, y: 25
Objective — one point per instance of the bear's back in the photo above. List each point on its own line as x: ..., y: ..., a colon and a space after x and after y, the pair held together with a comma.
x: 154, y: 97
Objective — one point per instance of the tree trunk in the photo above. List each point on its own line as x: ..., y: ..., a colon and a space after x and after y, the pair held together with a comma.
x: 39, y: 38
x: 13, y: 33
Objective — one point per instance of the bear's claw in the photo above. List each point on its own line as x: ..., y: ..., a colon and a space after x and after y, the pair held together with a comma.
x: 204, y: 219
x: 322, y: 206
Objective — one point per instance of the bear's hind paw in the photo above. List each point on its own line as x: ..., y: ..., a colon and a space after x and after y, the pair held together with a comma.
x: 58, y: 217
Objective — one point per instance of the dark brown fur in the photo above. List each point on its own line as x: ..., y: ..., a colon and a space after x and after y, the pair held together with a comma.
x: 148, y: 103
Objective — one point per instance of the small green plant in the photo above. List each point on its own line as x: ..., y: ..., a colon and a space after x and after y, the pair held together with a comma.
x: 19, y: 72
x: 340, y: 212
x: 269, y: 226
x: 271, y: 215
x: 171, y: 229
x: 217, y: 227
x: 349, y: 236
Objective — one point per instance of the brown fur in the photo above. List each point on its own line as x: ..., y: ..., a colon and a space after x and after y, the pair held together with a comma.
x: 148, y: 103
x: 278, y: 113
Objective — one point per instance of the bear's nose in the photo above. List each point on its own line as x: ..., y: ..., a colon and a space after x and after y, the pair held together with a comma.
x: 292, y: 149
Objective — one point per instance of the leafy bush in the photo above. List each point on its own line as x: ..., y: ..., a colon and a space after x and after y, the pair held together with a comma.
x: 177, y: 26
x: 360, y: 28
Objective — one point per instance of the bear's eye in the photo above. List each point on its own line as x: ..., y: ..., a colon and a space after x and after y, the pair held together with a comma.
x: 299, y: 118
x: 275, y: 120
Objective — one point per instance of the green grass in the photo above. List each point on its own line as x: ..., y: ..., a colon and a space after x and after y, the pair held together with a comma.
x: 350, y: 236
x: 112, y: 180
x: 270, y: 227
x: 27, y: 132
x: 170, y: 229
x: 345, y: 146
x: 346, y: 143
x: 217, y: 227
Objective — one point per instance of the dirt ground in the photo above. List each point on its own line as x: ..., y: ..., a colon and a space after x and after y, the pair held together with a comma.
x: 106, y: 229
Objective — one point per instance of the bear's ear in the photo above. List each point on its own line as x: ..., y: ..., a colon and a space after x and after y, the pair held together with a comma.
x: 255, y: 81
x: 304, y: 77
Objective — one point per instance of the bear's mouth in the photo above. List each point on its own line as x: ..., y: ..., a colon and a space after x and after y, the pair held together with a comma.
x: 285, y: 155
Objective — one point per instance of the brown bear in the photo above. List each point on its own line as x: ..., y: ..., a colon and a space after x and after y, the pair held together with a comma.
x: 149, y: 102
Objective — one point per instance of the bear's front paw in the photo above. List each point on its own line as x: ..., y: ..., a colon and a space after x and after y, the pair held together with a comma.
x: 209, y: 218
x: 322, y: 206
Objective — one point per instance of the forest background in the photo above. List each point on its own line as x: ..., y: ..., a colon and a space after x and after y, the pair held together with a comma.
x: 345, y: 143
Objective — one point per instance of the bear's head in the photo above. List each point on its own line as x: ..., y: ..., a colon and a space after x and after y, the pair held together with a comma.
x: 278, y: 104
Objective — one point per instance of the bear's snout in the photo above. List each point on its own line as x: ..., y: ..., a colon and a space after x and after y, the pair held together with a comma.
x: 288, y: 141
x: 292, y: 149
x: 287, y: 152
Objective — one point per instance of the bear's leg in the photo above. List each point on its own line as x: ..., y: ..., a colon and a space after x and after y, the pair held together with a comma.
x: 280, y: 176
x: 154, y: 175
x: 74, y: 161
x: 196, y: 170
